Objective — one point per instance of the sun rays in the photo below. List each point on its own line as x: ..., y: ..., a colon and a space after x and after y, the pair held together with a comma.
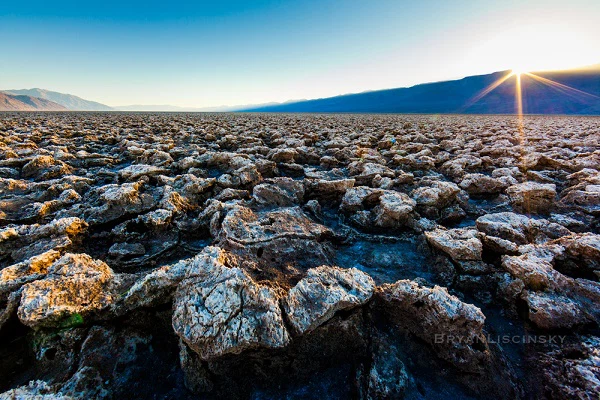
x: 487, y: 90
x: 518, y: 75
x: 519, y: 110
x: 568, y: 90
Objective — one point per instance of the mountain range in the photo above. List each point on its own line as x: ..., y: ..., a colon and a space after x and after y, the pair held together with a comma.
x: 68, y: 101
x: 556, y: 92
x: 46, y: 100
x: 571, y: 92
x: 12, y: 102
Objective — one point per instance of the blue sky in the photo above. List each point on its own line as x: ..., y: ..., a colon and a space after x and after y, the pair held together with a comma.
x: 246, y: 52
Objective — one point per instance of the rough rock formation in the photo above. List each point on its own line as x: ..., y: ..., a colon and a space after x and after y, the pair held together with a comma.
x: 376, y: 208
x: 73, y: 286
x: 571, y: 372
x: 459, y: 244
x: 294, y: 256
x: 442, y: 320
x: 323, y: 292
x: 532, y: 197
x: 220, y: 310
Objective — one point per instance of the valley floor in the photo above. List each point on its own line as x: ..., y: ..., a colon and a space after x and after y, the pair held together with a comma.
x: 173, y: 256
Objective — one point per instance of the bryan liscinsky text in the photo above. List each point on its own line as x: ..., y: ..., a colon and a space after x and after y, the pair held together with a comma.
x: 500, y: 339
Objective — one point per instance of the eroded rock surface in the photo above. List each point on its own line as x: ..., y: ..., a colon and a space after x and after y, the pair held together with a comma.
x: 442, y: 320
x: 572, y: 372
x: 532, y: 197
x: 323, y: 292
x: 459, y: 244
x: 74, y: 285
x: 294, y: 256
x: 220, y: 310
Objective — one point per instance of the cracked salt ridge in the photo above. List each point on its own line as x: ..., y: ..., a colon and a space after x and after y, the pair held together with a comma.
x: 405, y: 259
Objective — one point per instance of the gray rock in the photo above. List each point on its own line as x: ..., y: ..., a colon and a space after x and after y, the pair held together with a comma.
x: 438, y: 194
x: 552, y: 311
x: 532, y: 197
x: 323, y: 292
x: 519, y: 229
x: 329, y: 189
x: 394, y: 210
x: 282, y: 192
x: 459, y: 244
x: 453, y: 328
x: 482, y: 184
x: 378, y: 208
x: 136, y: 171
x: 357, y: 198
x: 220, y: 310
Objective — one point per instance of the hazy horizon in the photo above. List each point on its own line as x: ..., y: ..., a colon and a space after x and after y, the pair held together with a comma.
x: 235, y: 53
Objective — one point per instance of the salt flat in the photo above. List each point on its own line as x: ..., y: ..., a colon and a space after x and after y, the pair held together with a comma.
x: 269, y: 255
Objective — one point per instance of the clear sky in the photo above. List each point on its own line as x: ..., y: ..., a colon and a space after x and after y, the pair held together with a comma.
x: 226, y: 52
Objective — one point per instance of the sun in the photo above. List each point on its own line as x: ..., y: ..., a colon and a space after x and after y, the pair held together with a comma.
x: 530, y: 47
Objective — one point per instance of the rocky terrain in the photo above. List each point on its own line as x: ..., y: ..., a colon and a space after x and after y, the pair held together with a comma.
x: 180, y: 256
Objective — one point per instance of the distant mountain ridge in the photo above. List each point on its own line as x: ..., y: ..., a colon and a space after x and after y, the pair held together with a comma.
x: 156, y: 108
x: 12, y: 102
x: 570, y: 92
x: 170, y: 108
x: 69, y: 101
x: 461, y: 96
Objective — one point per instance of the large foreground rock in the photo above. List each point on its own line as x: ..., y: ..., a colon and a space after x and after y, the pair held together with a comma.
x: 453, y: 328
x: 220, y: 310
x: 74, y: 286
